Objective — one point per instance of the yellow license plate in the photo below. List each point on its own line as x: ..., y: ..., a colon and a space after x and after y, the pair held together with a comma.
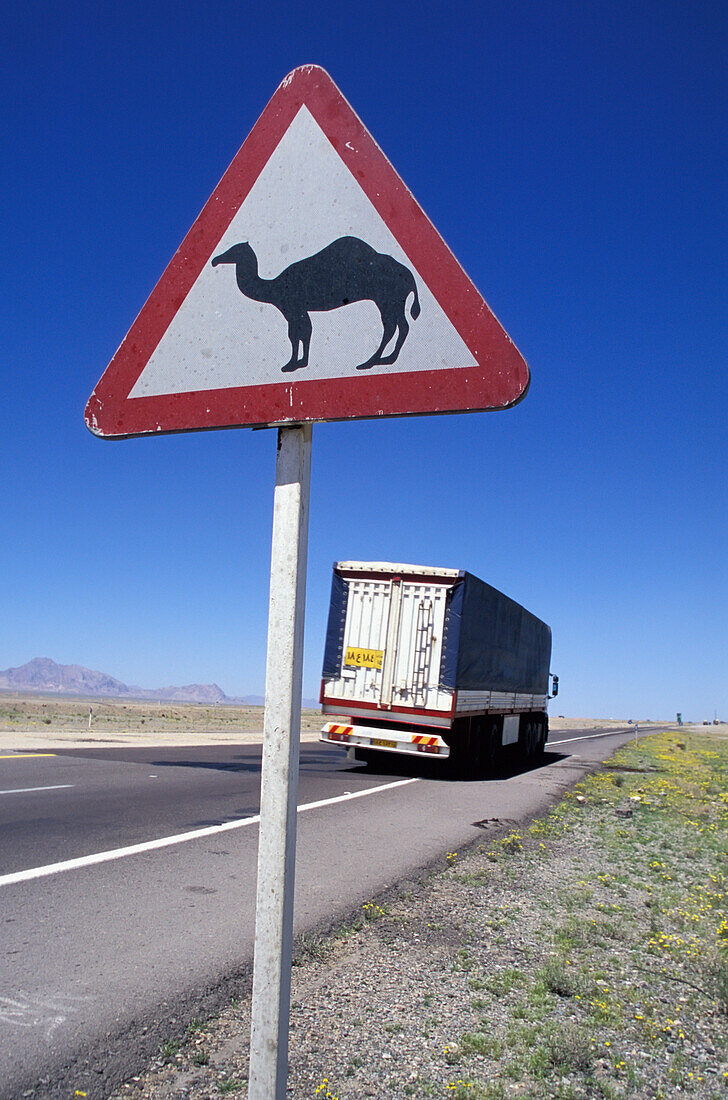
x: 363, y: 658
x: 384, y: 744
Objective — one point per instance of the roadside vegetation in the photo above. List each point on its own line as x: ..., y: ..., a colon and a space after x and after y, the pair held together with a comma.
x: 585, y: 955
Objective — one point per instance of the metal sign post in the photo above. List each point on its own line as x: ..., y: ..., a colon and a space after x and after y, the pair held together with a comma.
x: 279, y: 782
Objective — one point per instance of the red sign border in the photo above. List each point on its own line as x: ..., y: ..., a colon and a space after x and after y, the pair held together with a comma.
x: 501, y: 378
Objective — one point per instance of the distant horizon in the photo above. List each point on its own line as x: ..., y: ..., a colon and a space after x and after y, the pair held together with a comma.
x: 249, y: 699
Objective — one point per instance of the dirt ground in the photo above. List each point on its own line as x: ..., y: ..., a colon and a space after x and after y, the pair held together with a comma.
x: 45, y: 722
x: 48, y: 721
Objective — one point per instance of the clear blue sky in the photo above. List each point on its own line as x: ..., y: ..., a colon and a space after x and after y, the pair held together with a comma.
x: 573, y: 156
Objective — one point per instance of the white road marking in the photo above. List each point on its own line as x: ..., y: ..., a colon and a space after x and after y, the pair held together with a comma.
x: 26, y: 790
x: 180, y: 838
x: 587, y: 737
x: 46, y: 1012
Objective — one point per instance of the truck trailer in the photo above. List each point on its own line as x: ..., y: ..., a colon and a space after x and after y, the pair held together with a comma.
x: 433, y: 661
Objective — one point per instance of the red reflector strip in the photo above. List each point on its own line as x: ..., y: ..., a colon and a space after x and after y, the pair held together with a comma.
x: 419, y: 739
x: 338, y: 733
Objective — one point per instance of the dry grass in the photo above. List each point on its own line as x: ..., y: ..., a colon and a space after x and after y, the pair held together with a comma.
x: 25, y: 719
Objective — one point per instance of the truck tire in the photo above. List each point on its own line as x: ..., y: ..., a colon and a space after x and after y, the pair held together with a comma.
x: 475, y: 746
x: 459, y: 765
x: 543, y: 732
x: 483, y: 740
x: 536, y: 727
x: 477, y: 750
x: 526, y: 737
x: 365, y: 756
x: 493, y: 742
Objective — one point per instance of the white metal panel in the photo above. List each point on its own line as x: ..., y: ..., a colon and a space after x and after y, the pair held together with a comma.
x: 367, y: 616
x: 419, y: 651
x: 510, y: 728
x: 392, y: 641
x: 404, y: 620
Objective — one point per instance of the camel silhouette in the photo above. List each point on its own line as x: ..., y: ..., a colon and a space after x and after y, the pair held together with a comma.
x: 347, y: 270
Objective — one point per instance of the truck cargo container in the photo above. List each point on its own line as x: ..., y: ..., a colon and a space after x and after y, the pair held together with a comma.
x: 433, y: 661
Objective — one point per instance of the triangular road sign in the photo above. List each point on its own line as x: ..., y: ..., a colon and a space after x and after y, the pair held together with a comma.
x: 311, y: 287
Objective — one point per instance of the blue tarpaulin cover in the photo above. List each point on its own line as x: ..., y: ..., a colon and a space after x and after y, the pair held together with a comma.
x: 492, y: 643
x: 334, y: 648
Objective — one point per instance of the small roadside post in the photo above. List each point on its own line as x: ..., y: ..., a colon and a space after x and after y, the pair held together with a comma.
x: 380, y: 321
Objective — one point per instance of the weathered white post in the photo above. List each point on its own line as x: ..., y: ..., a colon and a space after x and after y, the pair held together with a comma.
x: 279, y: 781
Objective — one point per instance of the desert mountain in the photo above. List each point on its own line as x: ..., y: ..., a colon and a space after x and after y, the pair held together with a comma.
x: 44, y: 675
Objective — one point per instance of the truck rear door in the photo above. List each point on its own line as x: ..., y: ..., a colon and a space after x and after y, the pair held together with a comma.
x: 393, y: 645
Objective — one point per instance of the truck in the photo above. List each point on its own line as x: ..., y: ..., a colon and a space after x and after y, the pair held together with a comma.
x: 424, y: 660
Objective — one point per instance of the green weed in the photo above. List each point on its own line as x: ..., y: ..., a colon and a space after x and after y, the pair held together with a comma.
x: 502, y: 982
x: 168, y: 1050
x: 480, y: 1043
x: 569, y: 1049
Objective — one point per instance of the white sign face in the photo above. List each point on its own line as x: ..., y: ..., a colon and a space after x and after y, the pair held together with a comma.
x: 311, y: 287
x: 304, y: 199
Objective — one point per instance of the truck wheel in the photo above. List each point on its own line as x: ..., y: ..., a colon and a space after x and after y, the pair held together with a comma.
x: 538, y: 737
x: 493, y: 745
x: 544, y: 723
x: 459, y: 761
x: 525, y: 738
x: 478, y: 749
x: 484, y: 745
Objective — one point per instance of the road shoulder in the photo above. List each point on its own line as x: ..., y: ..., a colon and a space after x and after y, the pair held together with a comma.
x: 546, y: 960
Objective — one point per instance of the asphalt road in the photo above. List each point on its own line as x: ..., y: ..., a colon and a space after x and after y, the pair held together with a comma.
x: 127, y: 880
